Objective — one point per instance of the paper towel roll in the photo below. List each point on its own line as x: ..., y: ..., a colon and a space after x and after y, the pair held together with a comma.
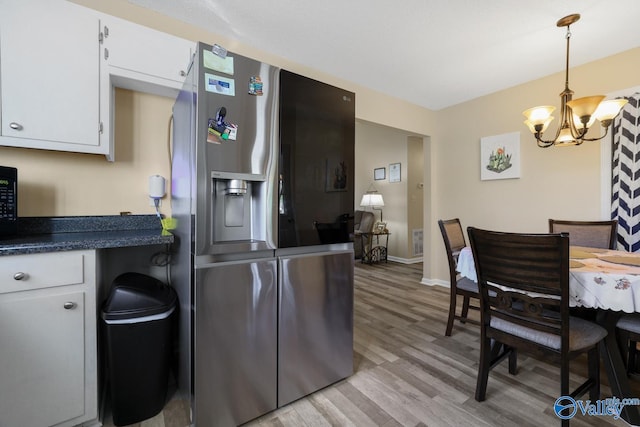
x: 156, y: 187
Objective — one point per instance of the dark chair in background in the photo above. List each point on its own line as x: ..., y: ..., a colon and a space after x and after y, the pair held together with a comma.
x: 529, y: 274
x: 454, y: 241
x: 363, y: 222
x: 592, y: 234
x: 628, y: 331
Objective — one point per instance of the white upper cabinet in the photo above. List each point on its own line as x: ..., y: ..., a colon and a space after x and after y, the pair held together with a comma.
x: 49, y: 76
x: 59, y: 64
x: 139, y: 58
x: 144, y: 59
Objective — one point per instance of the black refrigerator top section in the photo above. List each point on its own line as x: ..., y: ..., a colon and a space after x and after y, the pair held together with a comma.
x: 316, y: 164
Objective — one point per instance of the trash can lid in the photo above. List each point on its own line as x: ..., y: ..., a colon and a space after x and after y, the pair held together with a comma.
x: 137, y: 295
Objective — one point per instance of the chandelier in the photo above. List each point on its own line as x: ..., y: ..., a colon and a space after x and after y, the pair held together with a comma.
x: 577, y: 115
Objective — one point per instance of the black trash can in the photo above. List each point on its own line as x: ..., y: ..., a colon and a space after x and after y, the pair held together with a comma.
x: 138, y: 321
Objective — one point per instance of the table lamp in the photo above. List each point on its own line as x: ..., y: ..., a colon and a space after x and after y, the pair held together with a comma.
x: 374, y: 200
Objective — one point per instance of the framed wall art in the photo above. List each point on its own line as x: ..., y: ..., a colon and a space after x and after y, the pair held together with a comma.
x: 500, y: 156
x: 379, y: 173
x: 394, y: 172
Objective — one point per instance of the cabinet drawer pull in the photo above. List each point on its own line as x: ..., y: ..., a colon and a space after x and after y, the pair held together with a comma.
x: 15, y: 126
x: 20, y: 276
x: 69, y: 305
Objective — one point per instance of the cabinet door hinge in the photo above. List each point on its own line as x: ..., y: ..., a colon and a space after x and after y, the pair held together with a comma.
x: 103, y: 34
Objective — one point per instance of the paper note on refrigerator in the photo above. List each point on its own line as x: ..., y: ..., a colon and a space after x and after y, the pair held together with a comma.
x: 219, y: 85
x: 214, y: 62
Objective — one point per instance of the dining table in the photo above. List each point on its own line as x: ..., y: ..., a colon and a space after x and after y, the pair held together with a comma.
x: 607, y: 281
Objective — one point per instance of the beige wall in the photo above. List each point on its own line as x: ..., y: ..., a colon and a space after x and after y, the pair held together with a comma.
x: 555, y: 182
x: 55, y: 183
x: 378, y: 146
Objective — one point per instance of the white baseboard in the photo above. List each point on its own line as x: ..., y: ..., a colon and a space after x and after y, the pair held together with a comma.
x: 434, y: 282
x: 405, y: 260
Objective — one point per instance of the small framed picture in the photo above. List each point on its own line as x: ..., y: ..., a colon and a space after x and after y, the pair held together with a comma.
x: 379, y: 173
x: 394, y: 172
x: 380, y: 227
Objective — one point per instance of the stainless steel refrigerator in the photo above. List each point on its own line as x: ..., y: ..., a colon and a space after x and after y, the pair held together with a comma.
x: 262, y: 190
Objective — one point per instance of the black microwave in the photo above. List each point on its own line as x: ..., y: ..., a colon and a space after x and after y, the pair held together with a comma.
x: 8, y: 201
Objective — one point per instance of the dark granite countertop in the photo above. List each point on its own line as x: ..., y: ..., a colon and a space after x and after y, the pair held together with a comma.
x: 52, y: 234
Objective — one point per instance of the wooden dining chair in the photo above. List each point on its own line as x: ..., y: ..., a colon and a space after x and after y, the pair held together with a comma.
x: 454, y: 241
x: 628, y: 331
x: 593, y: 234
x: 529, y: 274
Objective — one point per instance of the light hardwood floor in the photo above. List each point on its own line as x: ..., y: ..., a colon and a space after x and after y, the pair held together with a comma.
x: 407, y: 373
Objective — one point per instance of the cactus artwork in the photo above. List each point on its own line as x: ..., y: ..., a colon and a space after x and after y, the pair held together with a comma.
x: 499, y: 160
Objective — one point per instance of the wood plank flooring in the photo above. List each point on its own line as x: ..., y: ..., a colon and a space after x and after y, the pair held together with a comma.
x: 407, y: 373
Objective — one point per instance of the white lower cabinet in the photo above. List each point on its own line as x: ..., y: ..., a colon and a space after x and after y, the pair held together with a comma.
x: 48, y: 367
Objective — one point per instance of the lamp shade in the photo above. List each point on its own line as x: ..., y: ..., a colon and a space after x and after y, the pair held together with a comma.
x: 565, y: 138
x: 539, y: 115
x: 372, y: 199
x: 608, y: 110
x: 585, y: 106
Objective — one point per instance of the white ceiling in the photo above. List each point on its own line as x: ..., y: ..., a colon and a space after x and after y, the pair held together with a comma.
x: 434, y: 53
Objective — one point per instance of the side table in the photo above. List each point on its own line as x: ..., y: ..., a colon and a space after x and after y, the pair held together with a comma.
x: 377, y: 245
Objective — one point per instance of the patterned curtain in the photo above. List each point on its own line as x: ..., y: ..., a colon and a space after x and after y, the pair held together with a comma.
x: 625, y: 179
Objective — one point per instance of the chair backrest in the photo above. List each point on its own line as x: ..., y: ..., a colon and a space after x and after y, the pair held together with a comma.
x: 363, y: 221
x: 593, y: 234
x: 529, y: 274
x: 454, y: 241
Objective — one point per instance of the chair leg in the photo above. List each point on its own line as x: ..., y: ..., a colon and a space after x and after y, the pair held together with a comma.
x: 465, y: 309
x: 452, y: 311
x: 513, y: 361
x: 632, y: 359
x: 483, y: 369
x: 622, y: 339
x: 564, y: 383
x: 593, y: 358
